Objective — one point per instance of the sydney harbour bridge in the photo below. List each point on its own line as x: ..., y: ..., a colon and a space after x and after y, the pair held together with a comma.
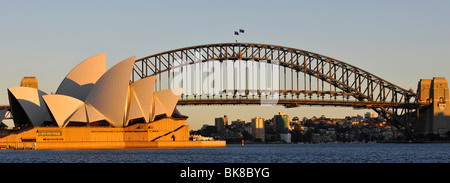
x: 262, y: 74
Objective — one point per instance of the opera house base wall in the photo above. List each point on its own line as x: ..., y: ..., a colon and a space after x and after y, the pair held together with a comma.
x: 110, y: 145
x: 164, y: 133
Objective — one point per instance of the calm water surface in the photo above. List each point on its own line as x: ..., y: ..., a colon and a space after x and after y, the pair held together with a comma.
x: 251, y: 153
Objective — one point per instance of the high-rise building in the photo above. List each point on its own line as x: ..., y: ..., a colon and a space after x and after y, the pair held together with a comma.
x: 258, y: 128
x: 221, y: 123
x: 370, y: 115
x: 281, y: 123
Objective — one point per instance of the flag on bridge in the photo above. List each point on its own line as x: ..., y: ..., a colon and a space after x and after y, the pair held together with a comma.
x: 241, y: 30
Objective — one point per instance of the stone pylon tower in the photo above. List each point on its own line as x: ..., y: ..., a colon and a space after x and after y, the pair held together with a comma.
x: 434, y: 119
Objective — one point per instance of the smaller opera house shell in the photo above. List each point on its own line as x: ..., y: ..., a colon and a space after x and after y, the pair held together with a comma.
x: 98, y: 108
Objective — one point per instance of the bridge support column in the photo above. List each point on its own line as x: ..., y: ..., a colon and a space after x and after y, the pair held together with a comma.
x: 434, y: 119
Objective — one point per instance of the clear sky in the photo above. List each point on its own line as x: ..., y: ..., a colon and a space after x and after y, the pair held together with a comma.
x: 401, y: 41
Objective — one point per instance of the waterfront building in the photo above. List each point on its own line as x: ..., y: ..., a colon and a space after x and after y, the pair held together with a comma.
x: 281, y: 123
x: 221, y: 123
x: 238, y: 122
x: 98, y: 108
x: 285, y: 137
x: 370, y: 115
x: 248, y: 128
x: 201, y: 138
x: 258, y: 128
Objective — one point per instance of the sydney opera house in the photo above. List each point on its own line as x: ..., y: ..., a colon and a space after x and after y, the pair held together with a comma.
x: 98, y: 108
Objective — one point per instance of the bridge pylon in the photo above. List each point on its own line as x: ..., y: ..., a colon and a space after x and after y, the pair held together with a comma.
x: 435, y: 118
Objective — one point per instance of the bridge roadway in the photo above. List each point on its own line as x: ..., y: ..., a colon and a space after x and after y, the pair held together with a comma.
x: 298, y: 102
x: 291, y: 98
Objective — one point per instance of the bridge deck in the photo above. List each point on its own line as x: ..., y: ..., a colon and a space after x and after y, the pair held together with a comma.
x: 298, y: 102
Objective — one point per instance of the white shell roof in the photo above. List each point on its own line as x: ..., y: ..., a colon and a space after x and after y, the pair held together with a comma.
x: 30, y: 99
x: 93, y: 115
x: 141, y: 98
x: 134, y: 109
x: 2, y: 114
x: 109, y: 94
x: 61, y: 107
x: 82, y: 78
x: 78, y: 116
x: 165, y: 101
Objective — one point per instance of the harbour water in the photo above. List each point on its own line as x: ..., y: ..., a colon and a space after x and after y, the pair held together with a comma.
x: 250, y: 153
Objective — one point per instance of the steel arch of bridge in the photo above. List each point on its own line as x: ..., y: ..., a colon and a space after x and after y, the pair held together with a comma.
x: 323, y: 80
